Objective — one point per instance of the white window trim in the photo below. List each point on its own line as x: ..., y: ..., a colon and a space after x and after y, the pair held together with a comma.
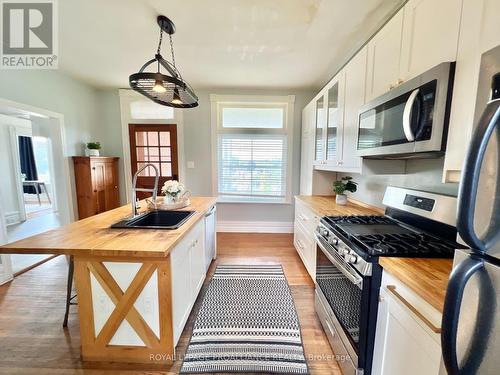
x: 288, y: 101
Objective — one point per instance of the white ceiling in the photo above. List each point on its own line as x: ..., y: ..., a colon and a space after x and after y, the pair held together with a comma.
x: 218, y: 43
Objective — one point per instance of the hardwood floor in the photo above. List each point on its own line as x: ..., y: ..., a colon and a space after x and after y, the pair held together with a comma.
x: 32, y: 340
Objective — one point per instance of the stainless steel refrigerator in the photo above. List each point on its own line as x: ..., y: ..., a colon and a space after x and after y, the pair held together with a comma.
x: 471, y: 317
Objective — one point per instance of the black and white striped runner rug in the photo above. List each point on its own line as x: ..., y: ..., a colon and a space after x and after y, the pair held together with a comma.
x: 247, y: 323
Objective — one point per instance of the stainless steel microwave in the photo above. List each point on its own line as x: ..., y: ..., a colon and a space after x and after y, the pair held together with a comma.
x: 411, y: 120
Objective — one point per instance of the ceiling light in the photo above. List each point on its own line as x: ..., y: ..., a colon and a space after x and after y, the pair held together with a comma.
x: 167, y: 88
x: 158, y: 87
x: 177, y: 97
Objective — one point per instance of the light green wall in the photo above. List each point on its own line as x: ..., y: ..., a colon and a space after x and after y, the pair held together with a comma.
x: 55, y: 91
x: 109, y: 132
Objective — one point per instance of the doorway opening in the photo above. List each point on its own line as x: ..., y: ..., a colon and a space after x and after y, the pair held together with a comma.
x: 34, y: 198
x: 157, y: 145
x: 35, y: 163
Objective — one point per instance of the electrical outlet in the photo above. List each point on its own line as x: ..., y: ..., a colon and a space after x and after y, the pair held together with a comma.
x: 190, y: 164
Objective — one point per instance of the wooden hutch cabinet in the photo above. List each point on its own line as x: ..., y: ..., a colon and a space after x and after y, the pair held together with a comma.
x: 96, y: 181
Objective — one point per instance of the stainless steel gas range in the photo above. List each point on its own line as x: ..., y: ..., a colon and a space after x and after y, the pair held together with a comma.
x: 348, y: 276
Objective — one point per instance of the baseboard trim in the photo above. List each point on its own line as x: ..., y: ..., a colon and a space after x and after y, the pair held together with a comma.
x: 13, y: 217
x: 255, y: 226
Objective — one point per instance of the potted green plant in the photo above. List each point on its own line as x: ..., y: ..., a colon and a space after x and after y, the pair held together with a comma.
x: 341, y: 186
x: 93, y: 148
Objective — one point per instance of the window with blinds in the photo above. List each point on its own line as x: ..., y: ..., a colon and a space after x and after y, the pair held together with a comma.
x: 252, y: 152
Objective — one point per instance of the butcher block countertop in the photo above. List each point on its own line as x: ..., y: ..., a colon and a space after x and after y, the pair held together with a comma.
x: 94, y: 237
x: 428, y: 278
x: 324, y: 205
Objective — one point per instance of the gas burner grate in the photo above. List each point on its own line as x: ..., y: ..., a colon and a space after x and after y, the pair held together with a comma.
x: 407, y: 244
x: 360, y: 220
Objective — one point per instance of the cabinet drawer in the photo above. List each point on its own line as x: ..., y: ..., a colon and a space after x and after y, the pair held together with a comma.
x: 306, y: 217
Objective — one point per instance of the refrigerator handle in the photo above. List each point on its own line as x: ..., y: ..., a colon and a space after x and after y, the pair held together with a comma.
x: 471, y: 174
x: 451, y: 311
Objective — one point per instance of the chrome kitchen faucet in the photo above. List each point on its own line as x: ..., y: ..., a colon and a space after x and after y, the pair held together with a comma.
x: 135, y: 190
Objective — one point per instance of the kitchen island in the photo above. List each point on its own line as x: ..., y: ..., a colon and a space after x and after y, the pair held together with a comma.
x: 136, y: 287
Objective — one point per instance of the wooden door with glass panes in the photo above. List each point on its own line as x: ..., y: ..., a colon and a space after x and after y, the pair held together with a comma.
x: 157, y: 145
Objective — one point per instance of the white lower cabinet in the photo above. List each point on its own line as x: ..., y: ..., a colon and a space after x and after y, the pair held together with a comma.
x: 305, y: 224
x: 306, y: 248
x: 404, y: 342
x: 188, y: 273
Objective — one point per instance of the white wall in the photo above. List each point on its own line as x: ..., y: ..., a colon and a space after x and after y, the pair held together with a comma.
x: 424, y: 174
x: 198, y: 148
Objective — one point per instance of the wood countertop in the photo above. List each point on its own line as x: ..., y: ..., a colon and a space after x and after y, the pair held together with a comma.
x: 94, y: 237
x: 324, y: 205
x: 428, y: 278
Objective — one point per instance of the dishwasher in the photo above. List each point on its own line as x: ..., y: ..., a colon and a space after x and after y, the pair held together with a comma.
x: 210, y: 237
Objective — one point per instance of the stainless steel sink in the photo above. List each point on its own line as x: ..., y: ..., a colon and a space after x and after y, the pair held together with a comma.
x: 156, y: 220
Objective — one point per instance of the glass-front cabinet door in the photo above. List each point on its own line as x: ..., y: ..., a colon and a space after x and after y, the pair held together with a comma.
x: 333, y: 123
x: 319, y: 154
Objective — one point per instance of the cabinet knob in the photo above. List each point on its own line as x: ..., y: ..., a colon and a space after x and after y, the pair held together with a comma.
x: 93, y: 168
x: 95, y: 191
x: 116, y: 187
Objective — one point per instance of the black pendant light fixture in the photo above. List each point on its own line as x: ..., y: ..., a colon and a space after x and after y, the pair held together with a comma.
x: 166, y: 89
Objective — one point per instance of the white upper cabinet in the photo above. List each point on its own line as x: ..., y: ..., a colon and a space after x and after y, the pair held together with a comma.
x: 423, y: 34
x: 334, y: 118
x: 479, y: 32
x: 384, y: 52
x: 338, y: 108
x: 354, y: 98
x: 430, y: 35
x: 329, y: 115
x: 307, y: 148
x: 320, y: 131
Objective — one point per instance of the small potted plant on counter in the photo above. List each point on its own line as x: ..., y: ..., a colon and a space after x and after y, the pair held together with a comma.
x: 341, y: 186
x: 93, y: 148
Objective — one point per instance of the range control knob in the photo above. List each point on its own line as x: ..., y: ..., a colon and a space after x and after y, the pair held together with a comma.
x: 346, y: 251
x: 353, y: 259
x: 324, y: 233
x: 334, y: 241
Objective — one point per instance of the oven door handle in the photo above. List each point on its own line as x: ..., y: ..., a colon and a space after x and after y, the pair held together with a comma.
x: 356, y: 280
x: 407, y: 116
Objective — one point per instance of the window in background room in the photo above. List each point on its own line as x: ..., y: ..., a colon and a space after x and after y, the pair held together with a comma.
x: 148, y: 110
x: 252, y: 152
